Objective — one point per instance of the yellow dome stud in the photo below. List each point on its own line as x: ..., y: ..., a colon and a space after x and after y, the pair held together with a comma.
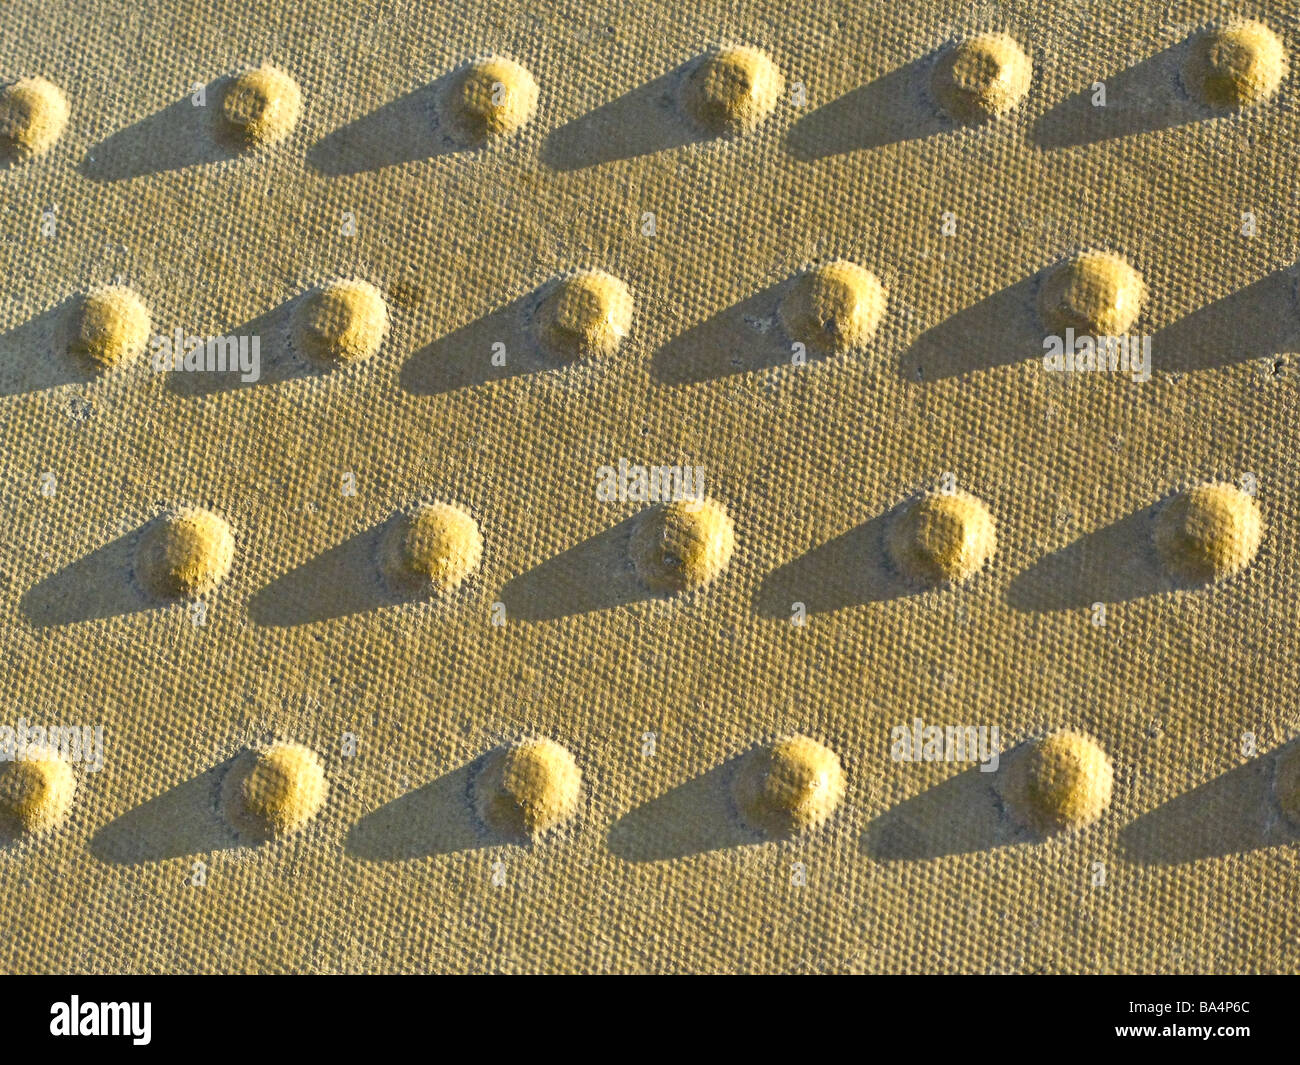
x: 732, y: 90
x: 981, y: 77
x: 1095, y: 293
x: 528, y: 788
x: 834, y: 307
x: 490, y: 99
x: 184, y: 554
x: 682, y: 546
x: 274, y: 792
x: 431, y: 550
x: 33, y: 115
x: 1060, y: 782
x: 585, y: 315
x: 342, y: 323
x: 1208, y: 533
x: 788, y: 787
x: 260, y: 107
x: 942, y: 538
x: 1235, y: 65
x: 35, y: 795
x: 110, y: 328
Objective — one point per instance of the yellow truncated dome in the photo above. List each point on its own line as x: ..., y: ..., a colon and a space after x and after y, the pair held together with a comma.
x: 834, y: 307
x: 273, y: 792
x: 35, y: 795
x: 942, y: 537
x: 789, y: 787
x: 527, y: 788
x: 981, y: 77
x: 732, y: 90
x: 1235, y: 65
x: 260, y: 107
x: 184, y: 554
x: 1208, y: 533
x: 33, y: 115
x: 341, y: 323
x: 1062, y: 781
x: 110, y: 327
x: 1094, y: 293
x: 489, y: 99
x: 585, y: 315
x: 683, y: 545
x: 432, y: 549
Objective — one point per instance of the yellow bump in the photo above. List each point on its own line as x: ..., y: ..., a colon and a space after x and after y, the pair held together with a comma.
x: 834, y: 308
x: 585, y: 315
x: 942, y: 538
x: 527, y: 788
x: 35, y: 794
x: 732, y: 90
x: 491, y: 98
x: 1209, y: 533
x: 184, y: 555
x: 1235, y: 65
x: 273, y: 792
x: 341, y: 323
x: 981, y: 77
x: 683, y: 545
x: 1094, y: 293
x: 33, y: 115
x: 111, y: 327
x: 1062, y: 781
x: 261, y: 107
x: 1286, y: 784
x: 432, y: 549
x: 789, y: 787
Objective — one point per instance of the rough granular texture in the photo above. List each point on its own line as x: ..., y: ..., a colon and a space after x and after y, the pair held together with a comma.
x: 788, y: 787
x: 584, y: 315
x: 1209, y: 532
x: 682, y: 545
x: 271, y: 793
x: 1061, y: 781
x: 110, y: 327
x: 33, y: 114
x: 341, y: 323
x: 1094, y: 293
x: 834, y: 307
x: 432, y: 549
x: 732, y: 90
x: 982, y: 77
x: 489, y: 99
x: 35, y: 794
x: 526, y: 789
x: 260, y: 107
x: 1235, y: 65
x: 184, y: 554
x: 942, y: 537
x: 915, y: 872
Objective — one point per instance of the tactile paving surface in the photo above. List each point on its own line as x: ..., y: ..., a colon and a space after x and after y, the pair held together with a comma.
x: 1189, y: 692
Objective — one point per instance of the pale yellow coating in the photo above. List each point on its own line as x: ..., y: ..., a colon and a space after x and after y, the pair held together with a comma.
x: 489, y: 99
x: 942, y: 538
x: 682, y: 545
x: 1208, y: 533
x: 184, y: 555
x: 527, y: 788
x: 585, y: 315
x: 110, y: 327
x: 273, y: 792
x: 33, y: 116
x: 789, y: 787
x: 834, y: 307
x: 1095, y: 293
x: 1286, y: 783
x: 431, y: 550
x: 732, y: 90
x: 260, y: 107
x: 35, y: 795
x: 1235, y: 65
x: 981, y: 77
x: 1060, y: 782
x: 341, y: 323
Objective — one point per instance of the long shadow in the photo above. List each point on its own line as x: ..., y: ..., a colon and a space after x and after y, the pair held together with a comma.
x: 999, y: 330
x: 336, y: 583
x: 962, y: 815
x: 850, y: 570
x: 896, y: 107
x: 744, y: 337
x: 182, y: 821
x: 691, y: 818
x: 1231, y: 814
x: 641, y: 122
x: 1114, y: 564
x: 1254, y: 322
x: 175, y: 138
x: 596, y: 574
x: 277, y: 361
x: 404, y: 130
x: 464, y: 358
x: 98, y: 585
x: 34, y: 356
x: 437, y: 818
x: 1144, y: 98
